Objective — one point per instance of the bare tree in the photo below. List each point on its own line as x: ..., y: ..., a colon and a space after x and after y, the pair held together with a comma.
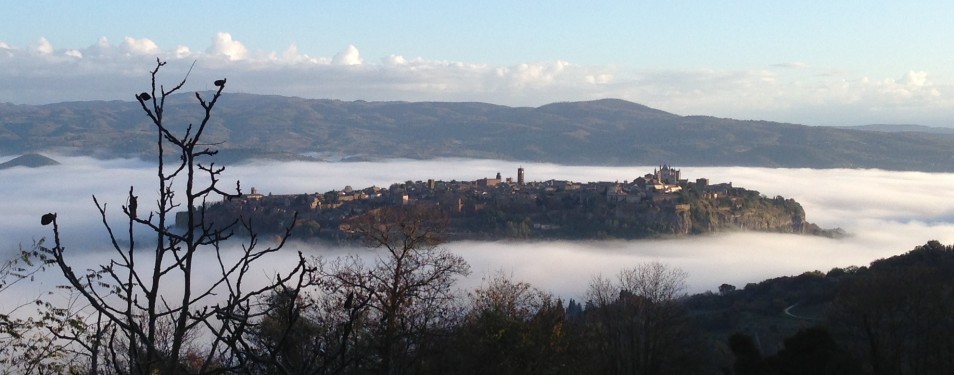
x: 654, y: 282
x: 509, y: 298
x: 312, y: 332
x: 183, y: 302
x: 635, y: 320
x: 407, y: 291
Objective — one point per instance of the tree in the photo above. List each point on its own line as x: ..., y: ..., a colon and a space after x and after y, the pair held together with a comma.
x: 26, y: 345
x: 513, y: 328
x: 307, y: 335
x: 813, y: 351
x: 898, y: 319
x: 635, y: 322
x: 406, y: 293
x: 809, y: 351
x: 748, y: 357
x: 726, y: 289
x: 151, y: 304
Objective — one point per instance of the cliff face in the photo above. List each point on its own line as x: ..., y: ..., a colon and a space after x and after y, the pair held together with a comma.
x: 686, y: 213
x: 747, y: 212
x: 754, y: 220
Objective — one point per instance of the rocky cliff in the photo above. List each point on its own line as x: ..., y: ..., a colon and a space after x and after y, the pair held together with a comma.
x: 681, y: 214
x: 535, y: 210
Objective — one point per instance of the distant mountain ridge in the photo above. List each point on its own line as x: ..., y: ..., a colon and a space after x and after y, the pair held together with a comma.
x: 894, y: 128
x: 599, y: 132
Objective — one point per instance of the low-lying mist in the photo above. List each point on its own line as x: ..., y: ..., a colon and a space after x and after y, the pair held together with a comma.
x: 886, y: 213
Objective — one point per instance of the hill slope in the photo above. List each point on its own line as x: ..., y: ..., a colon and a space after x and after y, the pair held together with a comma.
x: 607, y: 132
x: 29, y: 161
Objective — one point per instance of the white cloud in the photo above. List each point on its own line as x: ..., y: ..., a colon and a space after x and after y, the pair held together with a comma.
x: 224, y: 45
x: 538, y: 74
x: 914, y: 85
x: 791, y: 92
x: 395, y: 60
x: 350, y: 56
x: 142, y: 46
x: 182, y: 52
x: 6, y: 50
x: 599, y: 79
x: 293, y: 56
x: 101, y: 48
x: 43, y: 47
x: 915, y: 78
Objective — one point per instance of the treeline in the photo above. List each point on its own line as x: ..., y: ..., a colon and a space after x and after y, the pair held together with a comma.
x: 402, y: 313
x: 895, y: 316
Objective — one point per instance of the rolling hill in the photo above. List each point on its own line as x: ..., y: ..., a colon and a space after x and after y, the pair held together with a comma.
x: 28, y: 161
x: 601, y: 132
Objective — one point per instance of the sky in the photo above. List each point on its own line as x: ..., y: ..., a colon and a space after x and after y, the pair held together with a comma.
x: 808, y: 62
x: 886, y: 213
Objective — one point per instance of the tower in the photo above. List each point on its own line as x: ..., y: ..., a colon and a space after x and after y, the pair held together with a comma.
x: 520, y: 176
x: 667, y: 174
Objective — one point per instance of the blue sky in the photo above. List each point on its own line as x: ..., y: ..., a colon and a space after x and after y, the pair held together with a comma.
x: 825, y: 63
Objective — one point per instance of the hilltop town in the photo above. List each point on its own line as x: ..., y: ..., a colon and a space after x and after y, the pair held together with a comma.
x: 656, y: 204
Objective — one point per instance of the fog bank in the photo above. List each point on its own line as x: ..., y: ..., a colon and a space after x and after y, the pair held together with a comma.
x: 886, y: 212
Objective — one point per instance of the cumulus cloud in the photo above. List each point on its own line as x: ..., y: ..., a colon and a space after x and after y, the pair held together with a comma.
x: 915, y: 78
x: 887, y: 213
x: 43, y: 47
x: 806, y: 95
x: 142, y: 46
x: 350, y: 56
x: 914, y: 84
x: 540, y: 74
x: 293, y: 56
x: 788, y: 92
x: 598, y: 79
x: 224, y: 45
x: 840, y: 99
x: 395, y: 60
x: 102, y: 48
x: 182, y: 52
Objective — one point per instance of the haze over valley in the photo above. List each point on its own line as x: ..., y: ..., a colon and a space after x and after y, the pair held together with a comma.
x: 885, y: 213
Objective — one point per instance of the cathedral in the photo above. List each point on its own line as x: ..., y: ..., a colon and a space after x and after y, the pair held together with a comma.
x: 667, y: 175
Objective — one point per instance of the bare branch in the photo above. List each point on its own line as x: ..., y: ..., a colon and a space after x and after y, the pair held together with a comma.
x: 149, y: 332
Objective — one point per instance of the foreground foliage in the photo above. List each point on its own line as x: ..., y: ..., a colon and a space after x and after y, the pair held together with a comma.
x: 176, y: 300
